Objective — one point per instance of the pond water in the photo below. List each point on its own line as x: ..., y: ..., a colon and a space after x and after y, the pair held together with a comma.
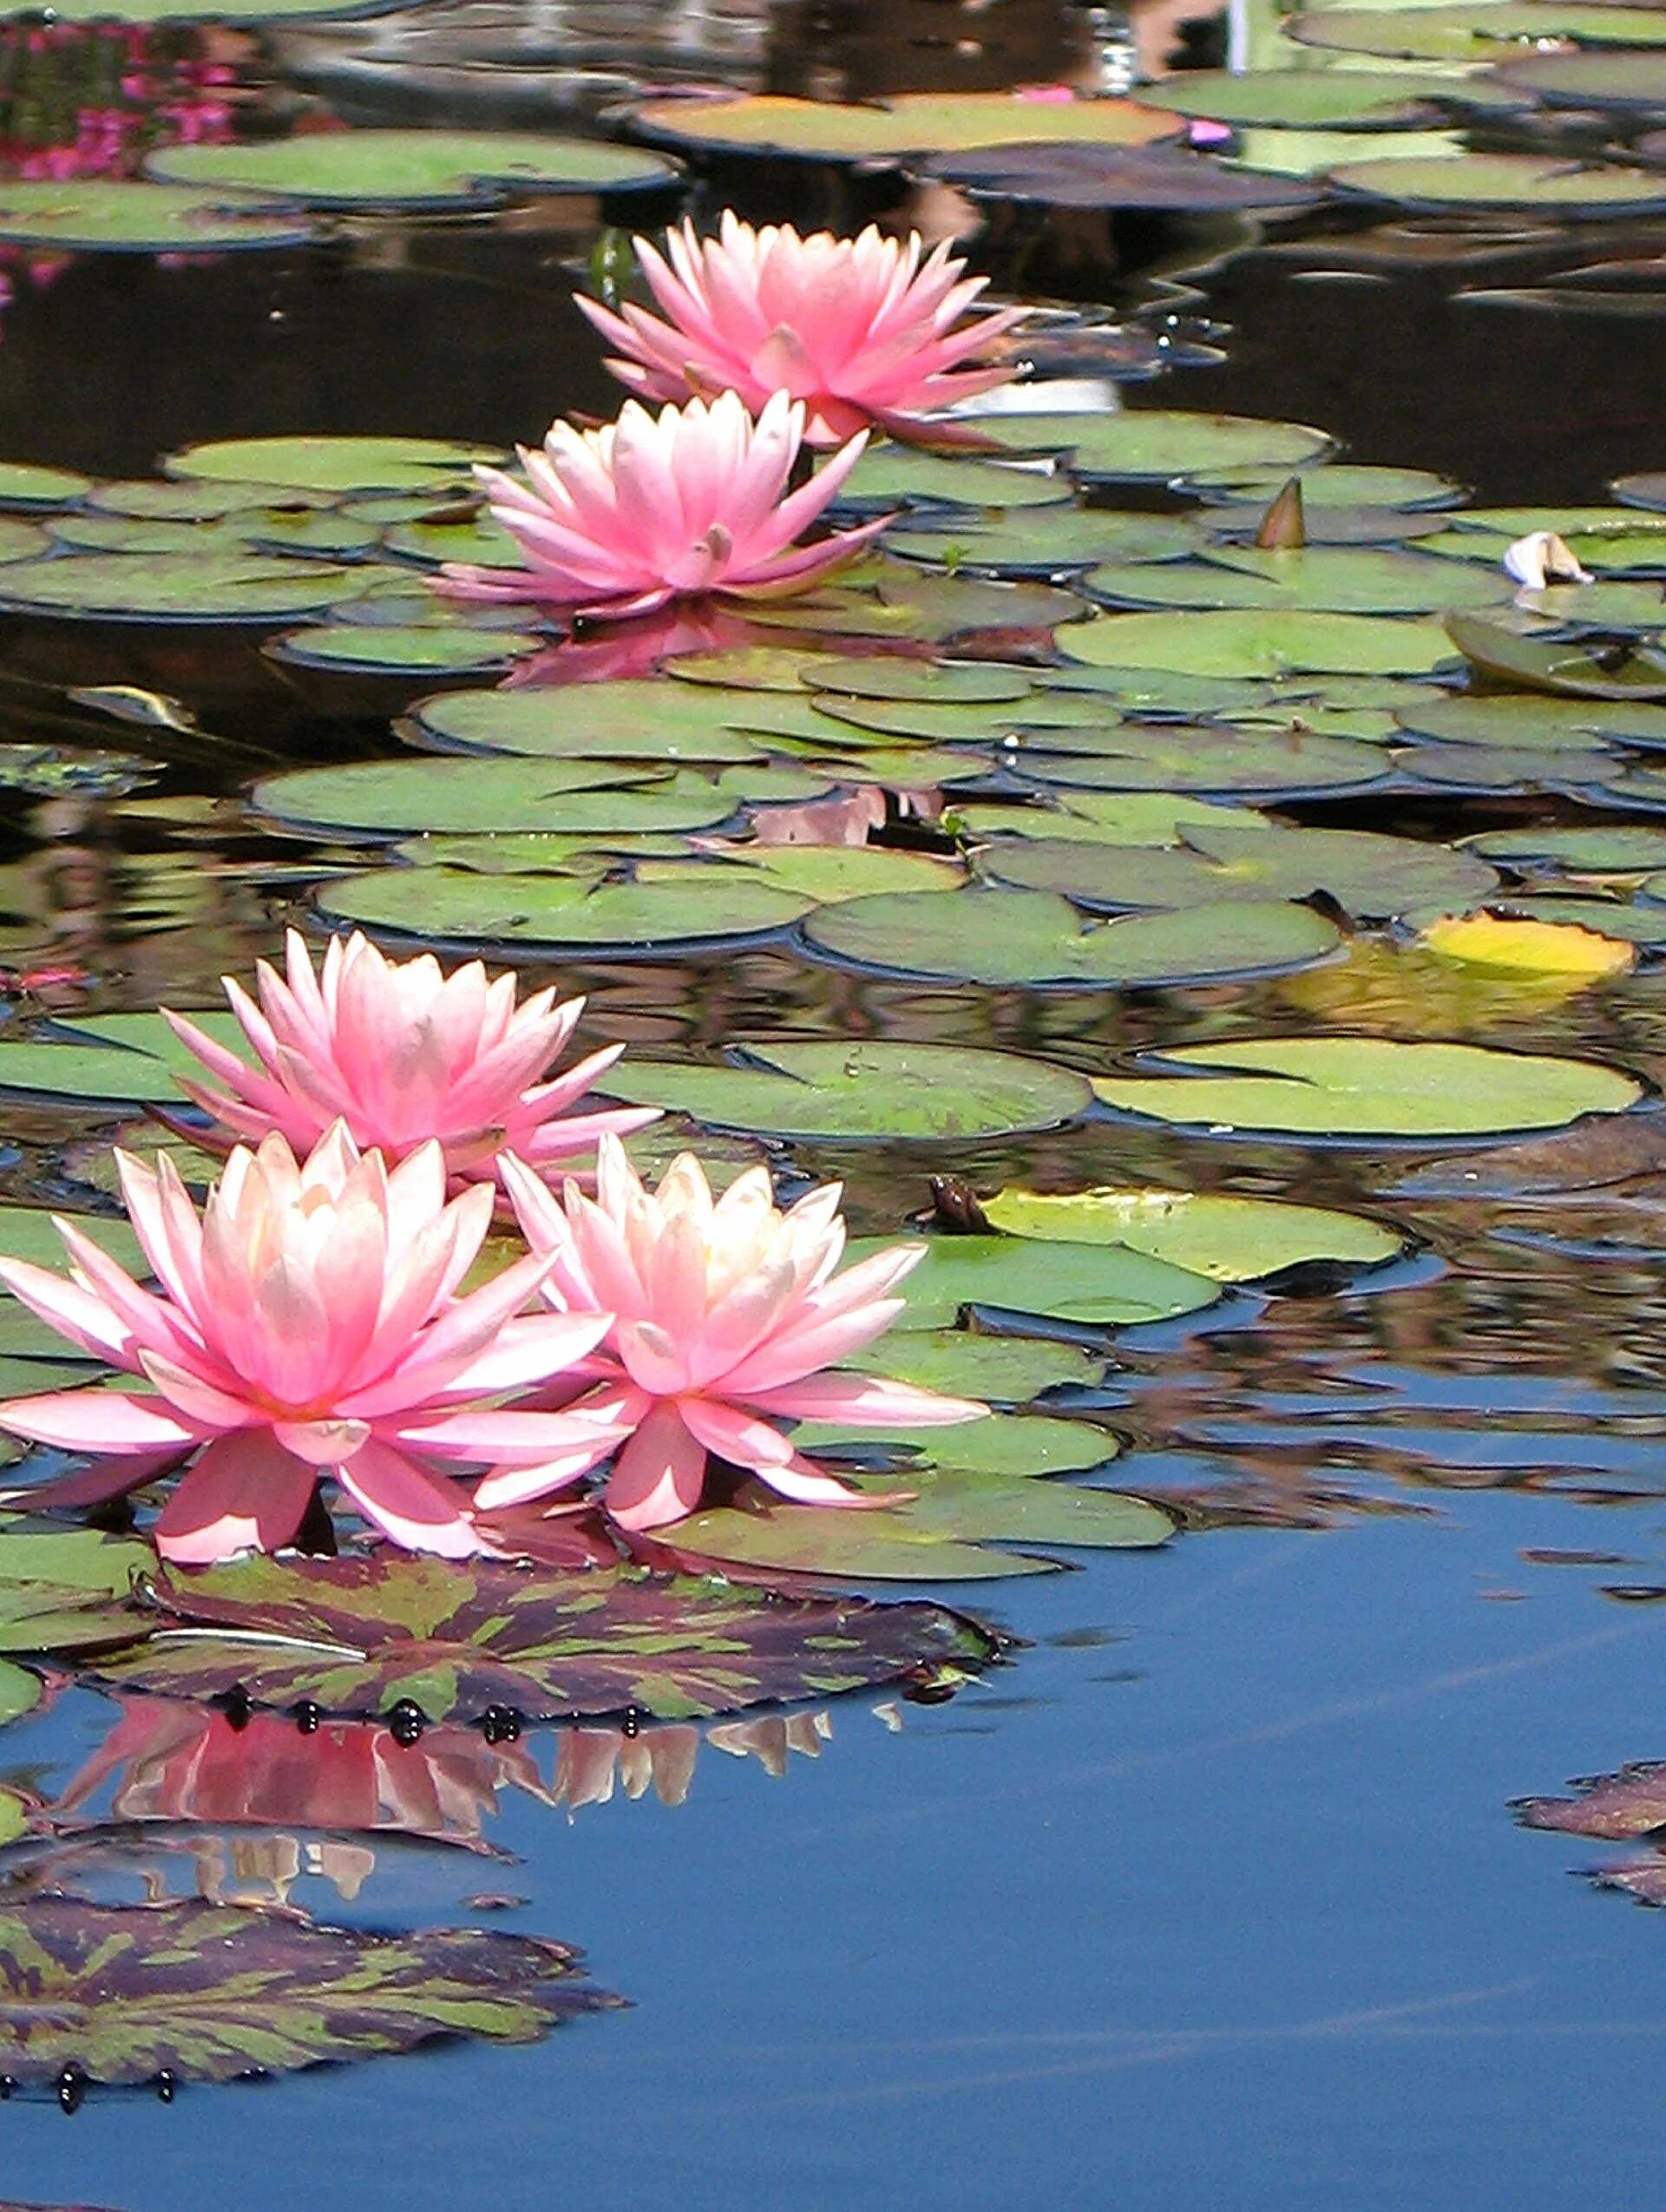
x: 1209, y: 1888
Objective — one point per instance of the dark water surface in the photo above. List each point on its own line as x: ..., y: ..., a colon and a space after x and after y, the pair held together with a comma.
x: 1211, y: 1896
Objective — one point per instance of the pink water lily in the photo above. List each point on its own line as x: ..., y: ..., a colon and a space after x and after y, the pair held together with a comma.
x: 621, y: 520
x: 728, y: 1316
x: 307, y: 1322
x: 403, y: 1053
x: 862, y: 331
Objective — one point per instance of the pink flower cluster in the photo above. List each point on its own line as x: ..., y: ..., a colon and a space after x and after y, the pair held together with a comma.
x: 767, y: 343
x: 325, y: 1314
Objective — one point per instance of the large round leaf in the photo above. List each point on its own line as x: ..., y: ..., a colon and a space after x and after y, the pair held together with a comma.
x: 1530, y: 181
x: 409, y: 168
x: 232, y: 586
x: 99, y: 214
x: 865, y: 1089
x: 1156, y: 444
x: 914, y: 123
x: 333, y: 464
x: 1358, y: 1088
x: 1095, y: 1286
x: 1034, y: 938
x: 97, y: 1059
x: 462, y: 907
x: 1323, y: 580
x: 386, y: 798
x: 1260, y: 645
x: 1230, y: 1239
x: 635, y: 719
x: 1159, y: 177
x: 1228, y: 760
x: 1320, y: 99
x: 459, y: 1641
x: 1484, y: 31
x: 125, y: 1994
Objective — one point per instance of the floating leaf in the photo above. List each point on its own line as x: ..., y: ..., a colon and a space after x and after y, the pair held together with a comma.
x: 969, y: 1363
x: 1156, y: 445
x: 363, y: 1635
x: 386, y: 798
x: 902, y: 476
x: 632, y: 719
x: 232, y: 586
x: 1154, y: 177
x: 1528, y: 948
x: 1094, y: 1286
x: 334, y: 465
x: 1316, y: 99
x: 918, y: 122
x: 1615, y: 849
x: 861, y: 1089
x: 1613, y: 1808
x: 1229, y: 1240
x: 20, y: 1693
x: 1262, y: 763
x: 1034, y: 938
x: 1355, y: 1088
x: 27, y: 488
x: 1332, y: 580
x: 389, y: 649
x: 96, y: 214
x: 97, y: 1059
x: 1047, y: 543
x: 409, y: 168
x: 940, y: 1537
x: 62, y: 1593
x: 1260, y: 645
x: 1484, y: 31
x: 123, y: 1993
x: 1532, y: 181
x: 1518, y: 720
x: 702, y: 905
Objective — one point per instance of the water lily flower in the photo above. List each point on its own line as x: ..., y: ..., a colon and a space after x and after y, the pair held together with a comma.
x: 1541, y: 558
x: 404, y: 1052
x: 619, y: 522
x: 862, y: 331
x: 728, y: 1319
x: 307, y: 1323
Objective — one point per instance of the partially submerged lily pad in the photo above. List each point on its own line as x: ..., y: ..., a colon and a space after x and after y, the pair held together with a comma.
x: 127, y: 1993
x: 99, y: 214
x: 1354, y: 1089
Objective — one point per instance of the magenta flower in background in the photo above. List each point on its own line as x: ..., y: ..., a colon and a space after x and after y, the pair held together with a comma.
x: 862, y: 331
x: 727, y: 1317
x: 621, y: 520
x: 403, y: 1053
x: 307, y: 1323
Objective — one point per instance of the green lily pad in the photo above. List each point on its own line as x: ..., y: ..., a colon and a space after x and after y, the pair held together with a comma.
x: 938, y: 1537
x: 100, y: 215
x: 968, y: 683
x: 1331, y: 579
x: 702, y: 905
x: 124, y: 1993
x: 334, y: 465
x: 156, y: 499
x: 27, y: 488
x: 900, y: 476
x: 1522, y: 720
x: 379, y: 649
x: 1530, y: 180
x: 65, y: 1592
x: 1156, y: 444
x: 1043, y: 542
x: 1094, y: 1286
x: 20, y: 1693
x: 1542, y: 659
x: 1338, y: 484
x: 1226, y: 759
x: 386, y: 798
x: 1618, y: 849
x: 362, y: 1635
x: 1229, y: 1240
x: 226, y: 587
x: 1488, y: 30
x: 1036, y: 939
x: 1353, y: 1089
x: 1105, y: 817
x: 922, y: 122
x: 1001, y: 1444
x: 1371, y: 876
x: 633, y: 718
x: 1325, y: 100
x: 95, y: 1061
x: 409, y: 168
x: 327, y: 535
x: 859, y: 1089
x: 1259, y: 645
x: 820, y: 874
x: 969, y: 1363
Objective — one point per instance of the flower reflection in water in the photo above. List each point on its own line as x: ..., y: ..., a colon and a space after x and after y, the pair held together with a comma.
x: 255, y: 1804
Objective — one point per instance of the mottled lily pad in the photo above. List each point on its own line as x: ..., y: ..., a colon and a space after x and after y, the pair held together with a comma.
x: 1352, y: 1089
x: 1156, y: 445
x: 634, y: 718
x: 970, y: 1364
x: 125, y: 1994
x: 1036, y: 939
x: 1147, y: 177
x: 1332, y: 580
x: 1572, y: 189
x: 1170, y: 757
x: 409, y: 168
x: 902, y: 475
x: 1320, y: 99
x: 386, y: 798
x: 363, y: 1635
x: 64, y: 1592
x: 858, y: 1090
x: 913, y: 123
x: 1041, y: 543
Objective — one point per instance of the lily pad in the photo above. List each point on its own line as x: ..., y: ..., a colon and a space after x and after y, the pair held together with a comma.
x: 1042, y: 543
x: 1333, y: 580
x: 392, y: 649
x: 1488, y: 30
x: 100, y: 215
x: 1225, y: 759
x: 1520, y: 720
x: 912, y: 123
x: 941, y: 1536
x: 27, y: 488
x: 125, y: 1994
x: 970, y: 1364
x: 902, y: 475
x: 64, y: 1592
x: 334, y: 465
x: 1357, y: 1089
x: 1035, y: 938
x: 702, y: 905
x: 387, y: 798
x: 634, y: 718
x: 1275, y: 644
x: 1322, y: 99
x: 409, y: 168
x: 1460, y: 181
x: 363, y: 1635
x: 1156, y: 444
x: 1229, y: 1240
x: 226, y: 587
x: 1157, y: 178
x: 97, y: 1059
x: 859, y: 1089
